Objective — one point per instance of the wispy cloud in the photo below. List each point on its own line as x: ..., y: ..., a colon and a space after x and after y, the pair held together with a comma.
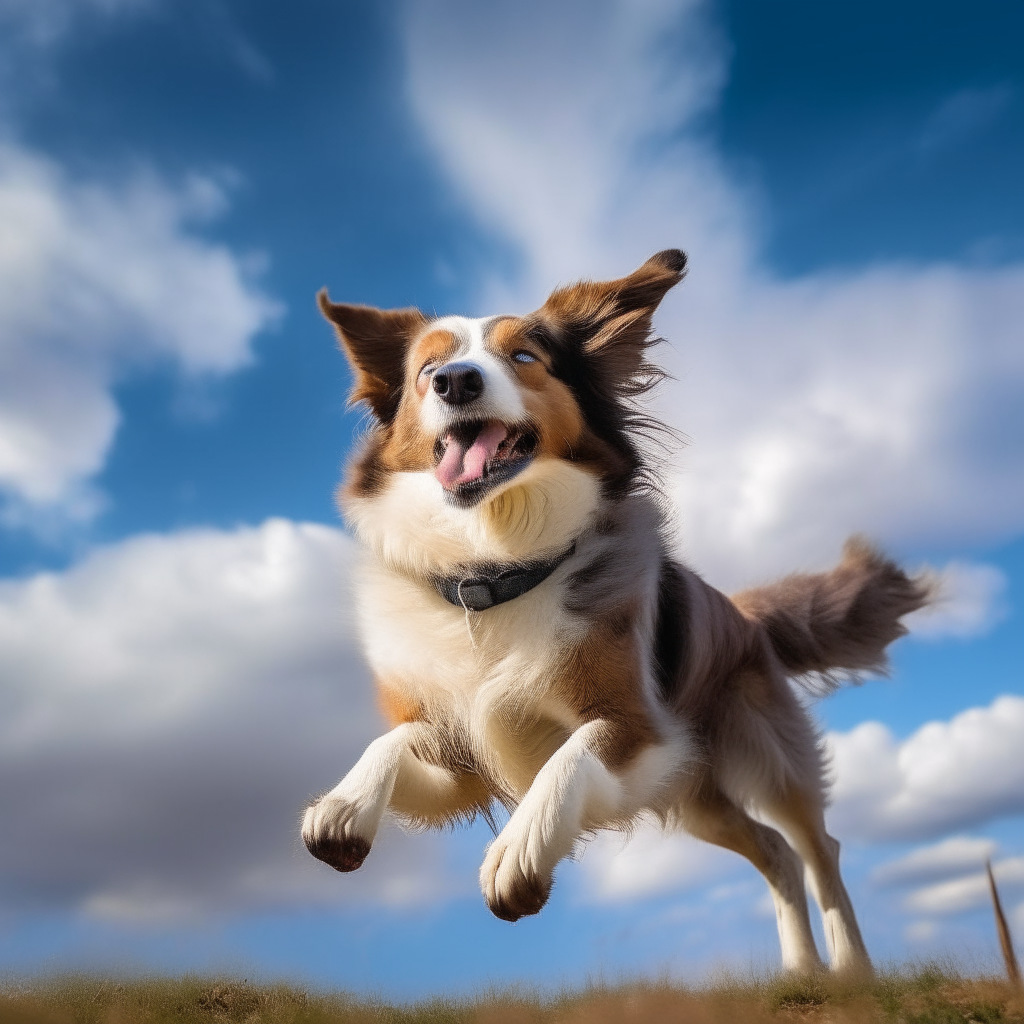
x: 970, y: 892
x: 961, y: 116
x: 969, y: 602
x: 921, y: 931
x: 41, y: 23
x: 883, y: 399
x: 957, y: 855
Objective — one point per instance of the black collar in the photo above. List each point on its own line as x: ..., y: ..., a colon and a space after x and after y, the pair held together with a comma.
x: 496, y: 583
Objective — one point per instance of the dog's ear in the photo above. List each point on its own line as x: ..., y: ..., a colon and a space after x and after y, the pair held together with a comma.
x: 375, y: 341
x: 611, y: 320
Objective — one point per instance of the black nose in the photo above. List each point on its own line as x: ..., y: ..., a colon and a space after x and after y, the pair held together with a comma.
x: 459, y: 383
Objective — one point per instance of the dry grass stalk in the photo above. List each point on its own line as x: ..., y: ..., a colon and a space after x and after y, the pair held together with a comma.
x: 1005, y: 939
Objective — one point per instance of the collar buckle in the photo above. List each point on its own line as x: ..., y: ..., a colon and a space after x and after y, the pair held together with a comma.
x: 475, y: 594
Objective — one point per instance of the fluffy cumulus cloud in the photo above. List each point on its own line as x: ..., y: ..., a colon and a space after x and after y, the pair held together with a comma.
x: 944, y: 777
x: 881, y: 399
x: 170, y: 702
x: 96, y: 279
x: 168, y: 705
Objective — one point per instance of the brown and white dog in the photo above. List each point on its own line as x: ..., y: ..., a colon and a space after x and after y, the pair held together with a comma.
x: 535, y: 642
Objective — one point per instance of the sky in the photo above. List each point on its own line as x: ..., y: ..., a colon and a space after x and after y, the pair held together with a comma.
x: 178, y: 667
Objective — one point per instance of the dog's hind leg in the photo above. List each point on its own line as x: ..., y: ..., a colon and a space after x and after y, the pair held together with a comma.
x: 340, y: 826
x: 803, y: 819
x: 716, y: 819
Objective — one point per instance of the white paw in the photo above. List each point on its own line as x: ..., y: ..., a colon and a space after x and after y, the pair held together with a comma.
x: 332, y: 832
x: 511, y: 887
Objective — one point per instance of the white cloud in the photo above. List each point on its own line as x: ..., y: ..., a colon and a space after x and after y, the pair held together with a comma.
x: 956, y: 855
x: 649, y: 863
x: 95, y: 280
x: 969, y: 603
x: 970, y: 892
x: 921, y: 931
x: 166, y: 707
x: 546, y: 150
x: 883, y: 399
x: 167, y: 704
x: 945, y: 776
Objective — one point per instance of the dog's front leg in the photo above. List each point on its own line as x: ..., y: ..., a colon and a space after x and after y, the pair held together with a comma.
x: 573, y: 792
x: 339, y: 827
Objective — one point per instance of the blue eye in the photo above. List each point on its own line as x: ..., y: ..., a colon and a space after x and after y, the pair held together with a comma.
x: 429, y: 369
x: 524, y: 357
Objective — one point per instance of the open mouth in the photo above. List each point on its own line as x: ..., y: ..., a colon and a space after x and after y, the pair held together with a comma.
x: 471, y: 458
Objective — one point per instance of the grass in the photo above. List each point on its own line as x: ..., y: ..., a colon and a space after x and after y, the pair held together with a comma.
x: 928, y: 994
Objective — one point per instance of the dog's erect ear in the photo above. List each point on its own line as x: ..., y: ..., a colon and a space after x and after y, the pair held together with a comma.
x: 611, y: 320
x: 375, y: 341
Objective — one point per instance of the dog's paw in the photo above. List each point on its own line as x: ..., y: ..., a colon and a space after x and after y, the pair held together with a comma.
x: 511, y: 889
x: 330, y: 830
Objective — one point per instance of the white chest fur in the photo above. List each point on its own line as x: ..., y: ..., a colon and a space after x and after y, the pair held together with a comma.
x: 411, y: 633
x: 492, y: 670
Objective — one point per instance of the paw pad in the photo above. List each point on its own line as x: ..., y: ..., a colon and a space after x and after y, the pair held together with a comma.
x: 342, y: 854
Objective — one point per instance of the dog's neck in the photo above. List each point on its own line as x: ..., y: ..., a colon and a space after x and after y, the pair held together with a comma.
x: 479, y: 587
x: 413, y: 530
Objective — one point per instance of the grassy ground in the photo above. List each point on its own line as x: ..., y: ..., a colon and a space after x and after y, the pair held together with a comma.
x: 924, y: 995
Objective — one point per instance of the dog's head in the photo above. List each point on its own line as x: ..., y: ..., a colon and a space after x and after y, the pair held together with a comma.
x: 476, y: 402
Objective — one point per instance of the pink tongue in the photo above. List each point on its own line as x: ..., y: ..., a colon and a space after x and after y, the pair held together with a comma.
x: 460, y: 464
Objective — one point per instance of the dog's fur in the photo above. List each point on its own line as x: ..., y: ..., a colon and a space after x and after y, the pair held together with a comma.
x: 622, y: 684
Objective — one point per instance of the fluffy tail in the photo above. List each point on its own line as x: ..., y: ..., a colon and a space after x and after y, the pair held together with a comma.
x: 839, y: 623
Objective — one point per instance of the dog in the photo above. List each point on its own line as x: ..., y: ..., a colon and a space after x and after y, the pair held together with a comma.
x: 535, y: 643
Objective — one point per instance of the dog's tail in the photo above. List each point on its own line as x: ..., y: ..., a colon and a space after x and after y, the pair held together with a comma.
x: 835, y: 625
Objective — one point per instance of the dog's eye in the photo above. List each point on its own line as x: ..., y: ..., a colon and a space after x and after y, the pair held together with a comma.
x: 524, y: 357
x: 428, y: 369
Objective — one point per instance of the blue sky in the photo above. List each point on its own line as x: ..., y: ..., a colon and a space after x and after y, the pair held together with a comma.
x: 177, y: 667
